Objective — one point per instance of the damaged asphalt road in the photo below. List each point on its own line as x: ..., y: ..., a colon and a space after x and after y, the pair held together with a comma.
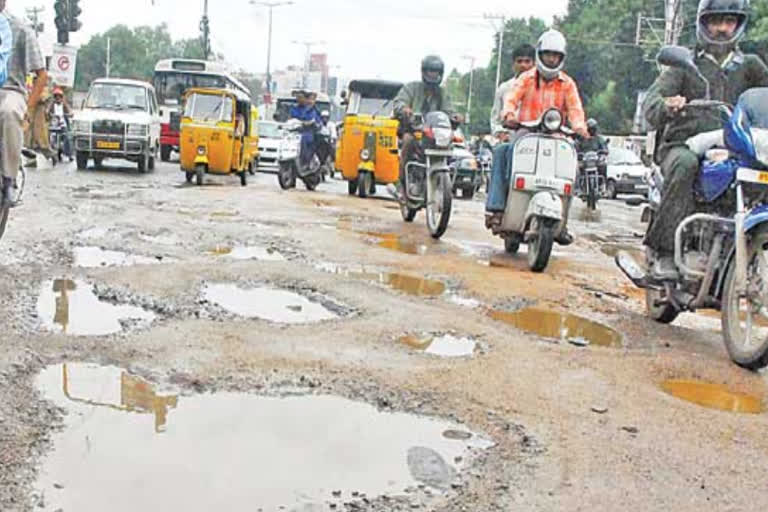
x: 222, y: 347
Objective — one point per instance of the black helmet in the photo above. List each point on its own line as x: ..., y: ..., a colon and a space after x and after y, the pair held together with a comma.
x: 593, y: 126
x: 707, y: 8
x: 434, y: 64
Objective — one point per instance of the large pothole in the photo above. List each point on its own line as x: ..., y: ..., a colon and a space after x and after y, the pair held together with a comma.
x: 126, y: 447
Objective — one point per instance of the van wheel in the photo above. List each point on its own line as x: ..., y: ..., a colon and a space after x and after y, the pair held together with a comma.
x: 165, y: 153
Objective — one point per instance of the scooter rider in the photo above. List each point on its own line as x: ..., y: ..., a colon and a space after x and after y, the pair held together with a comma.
x: 524, y: 58
x: 721, y: 24
x: 534, y: 93
x: 306, y: 112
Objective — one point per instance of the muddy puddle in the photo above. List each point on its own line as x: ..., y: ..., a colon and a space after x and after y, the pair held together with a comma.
x: 560, y: 326
x: 612, y: 249
x: 252, y: 252
x: 96, y: 257
x: 126, y: 447
x: 445, y: 345
x: 713, y: 396
x: 410, y: 285
x: 403, y: 244
x: 266, y: 303
x: 72, y: 308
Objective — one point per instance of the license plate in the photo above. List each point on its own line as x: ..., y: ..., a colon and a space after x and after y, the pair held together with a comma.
x: 103, y: 144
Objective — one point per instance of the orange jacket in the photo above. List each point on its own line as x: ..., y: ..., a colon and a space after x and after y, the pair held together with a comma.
x: 530, y: 97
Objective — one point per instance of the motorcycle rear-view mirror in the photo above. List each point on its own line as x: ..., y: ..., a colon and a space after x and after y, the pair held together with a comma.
x: 677, y: 57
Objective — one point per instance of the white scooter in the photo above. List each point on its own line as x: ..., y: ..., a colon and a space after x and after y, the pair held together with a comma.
x: 543, y: 173
x: 289, y: 160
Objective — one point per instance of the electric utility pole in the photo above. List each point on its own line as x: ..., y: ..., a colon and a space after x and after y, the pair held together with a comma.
x: 33, y: 15
x: 270, y: 6
x: 471, y: 85
x: 500, y: 50
x: 205, y: 29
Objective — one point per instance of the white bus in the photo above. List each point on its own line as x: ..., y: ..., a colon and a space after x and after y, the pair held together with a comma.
x: 171, y: 80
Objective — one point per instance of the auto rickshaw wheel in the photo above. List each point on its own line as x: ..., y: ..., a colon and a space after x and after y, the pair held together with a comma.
x: 190, y: 176
x: 165, y: 153
x: 352, y: 187
x: 312, y: 181
x: 409, y: 214
x: 199, y: 175
x: 244, y: 178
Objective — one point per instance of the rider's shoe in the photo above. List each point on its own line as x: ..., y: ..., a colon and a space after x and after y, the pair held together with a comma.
x: 564, y: 238
x: 664, y: 269
x: 493, y: 220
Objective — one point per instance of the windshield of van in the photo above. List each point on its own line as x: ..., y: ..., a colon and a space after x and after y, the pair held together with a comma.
x: 117, y: 97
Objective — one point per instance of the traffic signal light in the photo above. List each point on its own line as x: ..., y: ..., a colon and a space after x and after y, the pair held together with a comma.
x: 62, y: 20
x: 74, y: 12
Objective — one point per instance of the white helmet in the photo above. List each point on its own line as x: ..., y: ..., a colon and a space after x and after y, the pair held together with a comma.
x: 551, y: 41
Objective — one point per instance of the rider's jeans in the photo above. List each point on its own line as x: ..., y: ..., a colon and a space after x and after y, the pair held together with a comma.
x: 13, y: 106
x: 499, y: 186
x: 681, y: 168
x: 307, y: 147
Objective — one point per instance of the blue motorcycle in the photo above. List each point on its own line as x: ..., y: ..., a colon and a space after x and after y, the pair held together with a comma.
x: 721, y: 254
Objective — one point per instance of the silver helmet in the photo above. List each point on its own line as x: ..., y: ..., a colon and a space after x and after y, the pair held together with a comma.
x: 551, y: 41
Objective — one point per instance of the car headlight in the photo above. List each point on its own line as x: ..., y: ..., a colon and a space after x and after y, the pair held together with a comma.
x: 443, y: 137
x: 82, y: 126
x: 138, y: 130
x: 201, y: 150
x: 365, y: 154
x: 553, y: 120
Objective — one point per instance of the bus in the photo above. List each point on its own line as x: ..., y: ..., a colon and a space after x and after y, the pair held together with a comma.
x: 171, y: 79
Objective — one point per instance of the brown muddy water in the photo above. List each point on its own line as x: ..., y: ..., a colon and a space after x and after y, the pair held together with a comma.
x: 126, y: 447
x: 713, y: 396
x: 560, y: 326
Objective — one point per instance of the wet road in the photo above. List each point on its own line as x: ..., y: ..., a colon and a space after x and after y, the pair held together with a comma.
x: 251, y: 320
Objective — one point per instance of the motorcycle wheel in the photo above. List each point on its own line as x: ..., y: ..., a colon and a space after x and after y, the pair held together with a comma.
x: 592, y: 196
x: 352, y: 187
x: 285, y: 176
x: 365, y: 179
x: 312, y: 181
x: 745, y: 346
x: 244, y: 179
x: 82, y: 160
x: 540, y: 248
x: 409, y: 214
x: 439, y: 204
x: 512, y: 244
x: 5, y: 212
x: 199, y: 175
x: 659, y: 313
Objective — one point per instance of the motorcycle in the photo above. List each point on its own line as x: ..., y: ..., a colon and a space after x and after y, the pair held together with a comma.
x: 290, y: 166
x: 18, y: 191
x: 721, y: 255
x: 427, y: 182
x: 485, y: 161
x: 543, y: 174
x: 59, y: 138
x: 590, y: 184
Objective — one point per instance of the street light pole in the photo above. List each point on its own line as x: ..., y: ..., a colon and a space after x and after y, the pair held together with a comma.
x: 205, y: 25
x: 471, y: 85
x: 308, y: 45
x: 270, y: 6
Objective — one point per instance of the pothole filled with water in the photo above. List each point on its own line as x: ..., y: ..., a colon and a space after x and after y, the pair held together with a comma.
x: 96, y: 257
x: 402, y: 244
x: 713, y: 396
x: 560, y: 326
x: 411, y: 285
x: 271, y: 304
x: 72, y: 308
x: 248, y: 253
x: 228, y: 451
x: 445, y: 345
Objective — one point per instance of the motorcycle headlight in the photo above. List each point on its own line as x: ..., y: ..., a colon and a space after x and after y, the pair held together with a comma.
x: 365, y: 155
x: 138, y: 130
x: 201, y: 150
x: 553, y: 120
x: 469, y: 163
x: 82, y: 126
x: 443, y: 137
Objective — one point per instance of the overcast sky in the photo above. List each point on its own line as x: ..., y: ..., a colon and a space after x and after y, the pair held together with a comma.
x: 366, y: 39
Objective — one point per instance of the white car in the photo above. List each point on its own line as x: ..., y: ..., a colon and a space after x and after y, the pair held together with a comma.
x: 270, y: 135
x: 626, y: 173
x: 119, y: 119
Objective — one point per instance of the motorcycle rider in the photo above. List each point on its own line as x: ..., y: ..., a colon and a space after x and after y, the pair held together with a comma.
x: 15, y: 102
x: 720, y: 25
x: 535, y: 92
x: 524, y: 58
x: 596, y: 143
x: 422, y: 97
x: 306, y: 112
x: 60, y: 114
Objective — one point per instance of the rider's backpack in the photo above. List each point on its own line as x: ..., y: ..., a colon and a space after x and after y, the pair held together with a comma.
x: 6, y: 47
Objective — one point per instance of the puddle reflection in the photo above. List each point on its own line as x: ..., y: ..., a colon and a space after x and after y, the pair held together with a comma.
x: 713, y: 396
x: 443, y: 346
x: 270, y: 304
x: 560, y: 326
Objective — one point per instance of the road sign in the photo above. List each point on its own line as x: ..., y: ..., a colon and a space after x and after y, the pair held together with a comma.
x: 63, y: 64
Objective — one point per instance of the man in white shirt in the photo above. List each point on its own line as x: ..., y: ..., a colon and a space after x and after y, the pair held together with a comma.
x: 524, y: 59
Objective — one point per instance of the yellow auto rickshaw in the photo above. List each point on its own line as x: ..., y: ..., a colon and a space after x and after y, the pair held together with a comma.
x: 367, y: 152
x: 216, y: 134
